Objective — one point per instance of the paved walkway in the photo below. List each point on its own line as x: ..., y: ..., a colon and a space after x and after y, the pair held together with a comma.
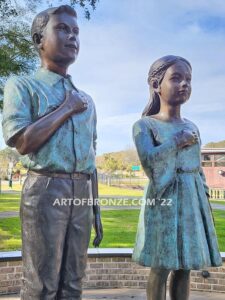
x: 127, y: 294
x: 8, y: 214
x: 10, y: 192
x: 218, y: 206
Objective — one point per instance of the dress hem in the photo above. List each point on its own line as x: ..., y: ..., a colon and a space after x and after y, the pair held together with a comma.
x: 141, y: 263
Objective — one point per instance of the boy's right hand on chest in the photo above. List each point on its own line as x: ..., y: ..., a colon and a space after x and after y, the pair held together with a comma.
x: 75, y: 102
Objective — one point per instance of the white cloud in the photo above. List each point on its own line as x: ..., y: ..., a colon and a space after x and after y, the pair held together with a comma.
x: 115, y: 133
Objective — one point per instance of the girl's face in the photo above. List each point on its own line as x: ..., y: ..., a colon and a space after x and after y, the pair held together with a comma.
x: 175, y: 88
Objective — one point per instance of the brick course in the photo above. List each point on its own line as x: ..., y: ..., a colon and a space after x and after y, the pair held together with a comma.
x: 105, y: 271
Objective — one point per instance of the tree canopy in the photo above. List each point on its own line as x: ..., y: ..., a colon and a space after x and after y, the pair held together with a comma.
x: 118, y: 161
x: 220, y: 144
x: 17, y: 54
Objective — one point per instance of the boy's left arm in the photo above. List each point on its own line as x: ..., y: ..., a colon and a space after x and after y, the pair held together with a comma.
x: 96, y: 208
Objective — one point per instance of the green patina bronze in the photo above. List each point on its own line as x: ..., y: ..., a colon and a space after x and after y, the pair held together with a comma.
x: 30, y: 98
x: 176, y: 231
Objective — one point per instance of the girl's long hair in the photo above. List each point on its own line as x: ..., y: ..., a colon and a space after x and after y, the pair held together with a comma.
x: 156, y: 73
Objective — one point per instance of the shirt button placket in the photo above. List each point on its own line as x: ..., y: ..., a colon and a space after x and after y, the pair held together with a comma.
x: 67, y: 87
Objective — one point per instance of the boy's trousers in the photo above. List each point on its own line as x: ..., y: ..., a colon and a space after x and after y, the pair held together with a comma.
x: 56, y: 219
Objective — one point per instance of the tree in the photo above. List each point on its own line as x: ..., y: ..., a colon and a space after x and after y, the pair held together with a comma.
x: 110, y: 163
x: 220, y: 144
x: 17, y: 54
x: 124, y: 160
x: 6, y: 156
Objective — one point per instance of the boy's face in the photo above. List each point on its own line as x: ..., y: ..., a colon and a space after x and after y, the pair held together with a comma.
x: 60, y: 41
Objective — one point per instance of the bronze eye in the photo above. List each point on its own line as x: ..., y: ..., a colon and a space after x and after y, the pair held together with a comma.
x: 63, y: 27
x: 175, y: 78
x: 76, y: 31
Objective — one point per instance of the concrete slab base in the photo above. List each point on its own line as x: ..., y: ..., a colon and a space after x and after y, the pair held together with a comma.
x: 129, y: 294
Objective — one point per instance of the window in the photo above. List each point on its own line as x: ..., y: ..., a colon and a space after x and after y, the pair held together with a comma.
x: 207, y: 160
x: 207, y: 157
x: 219, y: 160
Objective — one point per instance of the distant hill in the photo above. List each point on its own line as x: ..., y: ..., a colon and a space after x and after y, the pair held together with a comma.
x: 130, y: 157
x: 125, y: 158
x: 220, y: 144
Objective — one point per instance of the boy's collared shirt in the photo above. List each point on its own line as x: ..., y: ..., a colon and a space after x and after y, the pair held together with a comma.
x: 72, y: 147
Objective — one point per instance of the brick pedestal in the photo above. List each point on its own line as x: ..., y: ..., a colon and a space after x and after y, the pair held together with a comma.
x: 108, y: 268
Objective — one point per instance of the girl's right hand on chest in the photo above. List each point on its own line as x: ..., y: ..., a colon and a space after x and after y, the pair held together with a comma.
x: 186, y: 138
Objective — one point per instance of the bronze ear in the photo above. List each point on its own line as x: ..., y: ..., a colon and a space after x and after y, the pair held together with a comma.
x: 155, y: 84
x: 37, y: 39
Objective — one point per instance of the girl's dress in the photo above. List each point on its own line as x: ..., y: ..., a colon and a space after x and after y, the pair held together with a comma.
x: 176, y: 229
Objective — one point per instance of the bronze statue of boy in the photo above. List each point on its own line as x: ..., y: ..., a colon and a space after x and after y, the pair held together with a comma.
x: 53, y: 125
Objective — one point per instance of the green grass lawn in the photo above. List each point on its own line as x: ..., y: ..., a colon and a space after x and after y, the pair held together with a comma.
x: 9, y: 202
x: 10, y: 234
x: 218, y: 202
x: 219, y: 216
x: 112, y: 190
x: 119, y: 230
x: 103, y: 190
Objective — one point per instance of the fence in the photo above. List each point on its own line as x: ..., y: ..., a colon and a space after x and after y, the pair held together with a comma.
x: 140, y: 182
x: 122, y: 180
x: 218, y: 194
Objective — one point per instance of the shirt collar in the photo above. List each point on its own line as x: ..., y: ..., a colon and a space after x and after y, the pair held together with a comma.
x: 50, y: 77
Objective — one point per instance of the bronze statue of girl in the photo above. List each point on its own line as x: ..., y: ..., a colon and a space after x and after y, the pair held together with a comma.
x: 176, y: 231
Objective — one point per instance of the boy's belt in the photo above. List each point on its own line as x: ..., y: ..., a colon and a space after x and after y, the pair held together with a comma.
x: 76, y: 175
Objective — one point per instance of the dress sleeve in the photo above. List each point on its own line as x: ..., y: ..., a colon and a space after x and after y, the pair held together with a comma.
x: 159, y: 162
x: 204, y: 182
x: 16, y: 109
x: 202, y: 175
x: 201, y: 170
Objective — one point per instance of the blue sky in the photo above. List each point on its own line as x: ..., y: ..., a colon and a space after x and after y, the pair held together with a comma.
x: 121, y: 41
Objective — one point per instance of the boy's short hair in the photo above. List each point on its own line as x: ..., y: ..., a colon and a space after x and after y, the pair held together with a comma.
x: 41, y: 19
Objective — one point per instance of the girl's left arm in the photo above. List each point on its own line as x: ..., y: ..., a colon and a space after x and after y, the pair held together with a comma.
x: 201, y: 170
x: 204, y: 182
x: 158, y: 161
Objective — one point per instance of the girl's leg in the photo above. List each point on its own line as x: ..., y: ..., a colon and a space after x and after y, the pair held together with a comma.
x: 156, y: 285
x: 180, y: 285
